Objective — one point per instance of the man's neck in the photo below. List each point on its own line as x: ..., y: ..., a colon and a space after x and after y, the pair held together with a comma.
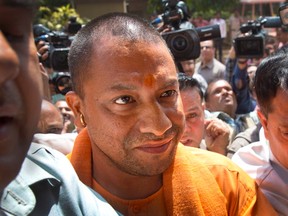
x: 206, y: 62
x: 122, y: 184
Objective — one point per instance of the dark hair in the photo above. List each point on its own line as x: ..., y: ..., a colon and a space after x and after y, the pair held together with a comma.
x: 186, y: 82
x: 271, y: 75
x: 121, y: 26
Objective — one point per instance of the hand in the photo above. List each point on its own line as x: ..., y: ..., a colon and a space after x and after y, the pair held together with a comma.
x: 68, y: 121
x: 232, y: 53
x: 68, y: 127
x: 43, y: 50
x: 164, y: 28
x: 217, y: 134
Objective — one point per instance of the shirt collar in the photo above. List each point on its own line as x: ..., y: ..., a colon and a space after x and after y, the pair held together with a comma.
x: 208, y: 65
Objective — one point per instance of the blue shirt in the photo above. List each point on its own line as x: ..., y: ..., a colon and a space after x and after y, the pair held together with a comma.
x: 48, y: 185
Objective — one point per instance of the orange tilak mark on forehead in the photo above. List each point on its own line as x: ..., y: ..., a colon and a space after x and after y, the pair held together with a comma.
x: 149, y: 80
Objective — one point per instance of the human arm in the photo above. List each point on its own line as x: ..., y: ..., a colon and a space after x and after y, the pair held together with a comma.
x: 217, y: 134
x: 45, y: 82
x: 230, y: 64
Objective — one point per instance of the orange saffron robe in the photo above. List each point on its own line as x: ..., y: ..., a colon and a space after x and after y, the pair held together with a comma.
x: 198, y: 182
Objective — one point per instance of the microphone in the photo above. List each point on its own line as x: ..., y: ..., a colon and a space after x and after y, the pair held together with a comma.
x: 272, y: 22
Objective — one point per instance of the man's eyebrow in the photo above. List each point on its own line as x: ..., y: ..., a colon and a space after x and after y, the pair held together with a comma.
x: 123, y: 87
x: 131, y: 87
x: 171, y: 82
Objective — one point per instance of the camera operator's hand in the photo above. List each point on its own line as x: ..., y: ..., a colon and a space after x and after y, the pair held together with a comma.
x: 43, y: 50
x: 164, y: 28
x: 231, y: 53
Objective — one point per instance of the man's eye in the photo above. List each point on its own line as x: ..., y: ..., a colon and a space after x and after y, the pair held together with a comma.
x: 124, y: 100
x: 169, y: 93
x: 192, y: 115
x: 285, y: 133
x: 54, y: 130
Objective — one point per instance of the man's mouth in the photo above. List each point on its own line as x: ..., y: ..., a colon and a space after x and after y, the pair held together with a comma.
x: 155, y: 147
x: 5, y: 120
x: 8, y: 114
x: 6, y: 127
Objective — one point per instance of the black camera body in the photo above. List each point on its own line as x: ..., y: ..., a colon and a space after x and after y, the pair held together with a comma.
x: 184, y: 44
x: 62, y: 82
x: 59, y: 44
x: 252, y: 45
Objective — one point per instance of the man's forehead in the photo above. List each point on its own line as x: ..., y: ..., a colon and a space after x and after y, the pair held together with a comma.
x: 18, y: 3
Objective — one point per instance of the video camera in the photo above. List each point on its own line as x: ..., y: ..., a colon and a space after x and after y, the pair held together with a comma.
x: 59, y: 43
x: 59, y: 46
x: 252, y: 43
x: 183, y: 43
x: 62, y: 82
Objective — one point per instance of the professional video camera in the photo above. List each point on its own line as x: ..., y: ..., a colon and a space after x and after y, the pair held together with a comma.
x: 59, y: 43
x: 183, y: 43
x: 59, y: 46
x: 62, y: 82
x: 252, y: 43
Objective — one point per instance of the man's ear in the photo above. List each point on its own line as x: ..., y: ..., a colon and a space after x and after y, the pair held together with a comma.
x: 263, y: 121
x: 75, y: 104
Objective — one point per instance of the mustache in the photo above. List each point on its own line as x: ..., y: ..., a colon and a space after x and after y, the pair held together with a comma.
x: 171, y: 133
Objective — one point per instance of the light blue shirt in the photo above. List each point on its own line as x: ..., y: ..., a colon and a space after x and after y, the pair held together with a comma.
x: 48, y: 185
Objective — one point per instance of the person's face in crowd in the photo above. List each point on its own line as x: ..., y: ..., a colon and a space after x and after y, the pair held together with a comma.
x: 276, y: 127
x: 207, y: 50
x: 251, y: 70
x: 270, y: 49
x: 20, y: 84
x: 282, y: 36
x: 132, y: 107
x: 221, y: 98
x: 51, y: 120
x: 194, y: 115
x: 188, y: 67
x: 66, y: 111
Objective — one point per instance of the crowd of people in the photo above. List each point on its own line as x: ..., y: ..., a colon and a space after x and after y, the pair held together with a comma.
x: 137, y: 135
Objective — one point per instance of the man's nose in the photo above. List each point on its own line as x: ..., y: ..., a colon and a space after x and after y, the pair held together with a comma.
x: 154, y: 120
x: 9, y: 62
x: 224, y: 91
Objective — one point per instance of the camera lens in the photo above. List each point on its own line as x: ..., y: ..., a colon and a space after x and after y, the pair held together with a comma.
x: 179, y: 43
x: 64, y: 84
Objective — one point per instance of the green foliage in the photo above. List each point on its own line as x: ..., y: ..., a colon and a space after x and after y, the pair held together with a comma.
x: 57, y: 18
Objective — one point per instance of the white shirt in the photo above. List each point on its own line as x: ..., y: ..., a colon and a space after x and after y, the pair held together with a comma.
x: 259, y: 162
x: 222, y: 25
